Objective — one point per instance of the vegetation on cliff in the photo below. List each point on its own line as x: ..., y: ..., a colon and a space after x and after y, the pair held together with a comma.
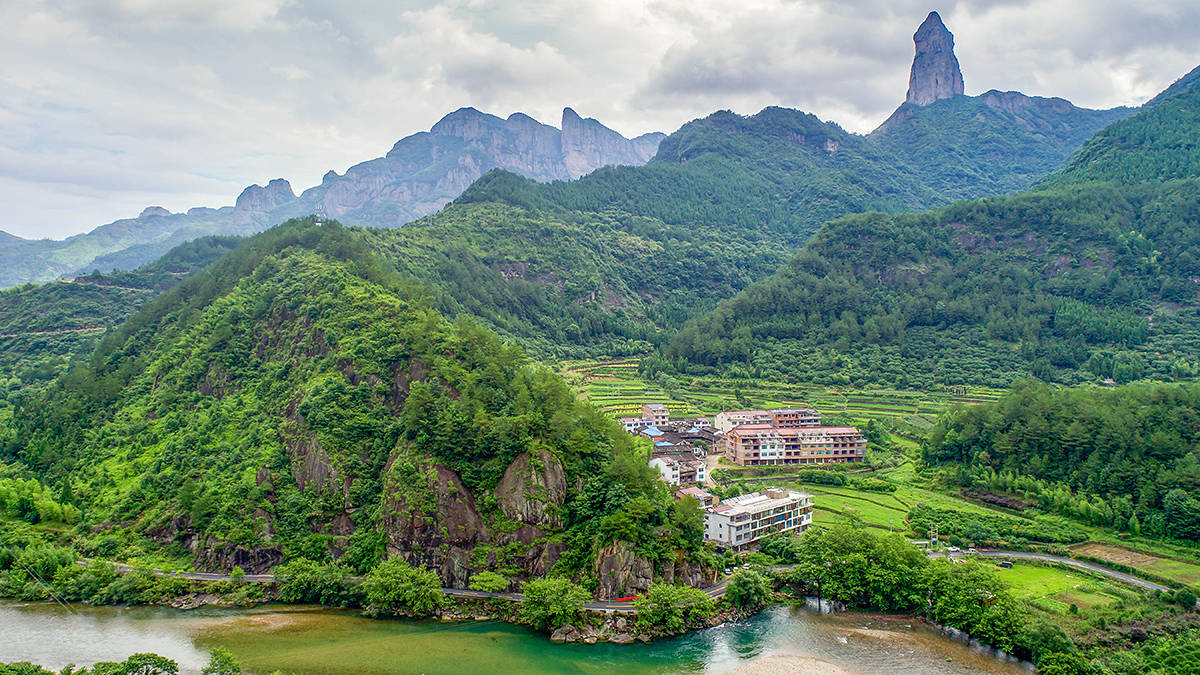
x: 301, y: 399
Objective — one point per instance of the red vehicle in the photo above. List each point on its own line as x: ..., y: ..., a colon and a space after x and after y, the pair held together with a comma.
x: 627, y: 599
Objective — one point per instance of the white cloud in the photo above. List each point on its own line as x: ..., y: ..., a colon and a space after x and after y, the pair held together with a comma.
x: 110, y: 105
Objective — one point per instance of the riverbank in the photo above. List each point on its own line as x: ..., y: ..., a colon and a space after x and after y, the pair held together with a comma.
x: 324, y: 641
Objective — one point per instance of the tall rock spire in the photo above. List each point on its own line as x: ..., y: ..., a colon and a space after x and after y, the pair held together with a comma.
x: 935, y: 73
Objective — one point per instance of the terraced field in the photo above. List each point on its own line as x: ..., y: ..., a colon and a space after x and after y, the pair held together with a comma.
x: 616, y: 387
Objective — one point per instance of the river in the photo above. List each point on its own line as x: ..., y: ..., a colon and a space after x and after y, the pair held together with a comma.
x: 323, y: 641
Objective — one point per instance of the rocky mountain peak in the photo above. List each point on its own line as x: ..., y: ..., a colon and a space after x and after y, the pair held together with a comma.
x: 935, y: 73
x: 154, y: 211
x: 259, y: 198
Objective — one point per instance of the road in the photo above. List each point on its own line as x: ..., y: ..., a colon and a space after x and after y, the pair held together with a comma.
x: 717, y: 591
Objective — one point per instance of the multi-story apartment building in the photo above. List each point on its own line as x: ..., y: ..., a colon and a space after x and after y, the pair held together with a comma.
x: 786, y: 418
x: 656, y: 414
x: 766, y: 445
x: 740, y: 521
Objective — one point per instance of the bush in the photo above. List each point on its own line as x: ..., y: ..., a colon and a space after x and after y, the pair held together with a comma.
x: 672, y: 607
x: 222, y: 663
x: 489, y: 582
x: 747, y: 589
x: 394, y: 587
x: 551, y: 602
x: 303, y: 580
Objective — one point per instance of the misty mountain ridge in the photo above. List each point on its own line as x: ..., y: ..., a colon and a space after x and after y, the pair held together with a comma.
x: 419, y: 175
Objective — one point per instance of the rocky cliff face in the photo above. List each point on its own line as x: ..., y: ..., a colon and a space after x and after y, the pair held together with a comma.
x: 935, y: 73
x: 258, y: 198
x: 425, y: 171
x: 533, y: 490
x: 621, y: 572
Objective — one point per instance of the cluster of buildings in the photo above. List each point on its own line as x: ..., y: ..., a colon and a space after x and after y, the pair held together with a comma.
x: 773, y: 437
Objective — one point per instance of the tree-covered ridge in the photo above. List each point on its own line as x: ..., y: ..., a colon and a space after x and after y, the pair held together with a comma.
x: 1128, y: 457
x: 1160, y: 143
x: 968, y: 147
x: 43, y: 326
x: 1075, y: 284
x: 566, y: 283
x: 781, y: 172
x: 301, y: 399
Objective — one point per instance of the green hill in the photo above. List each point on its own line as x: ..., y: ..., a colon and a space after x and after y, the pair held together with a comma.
x: 43, y: 326
x: 1072, y: 283
x: 300, y: 398
x: 780, y: 173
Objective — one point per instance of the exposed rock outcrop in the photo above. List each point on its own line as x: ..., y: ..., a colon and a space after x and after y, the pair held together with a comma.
x: 533, y: 489
x: 153, y: 211
x: 588, y: 145
x: 430, y: 518
x: 258, y: 198
x: 621, y: 572
x: 935, y: 73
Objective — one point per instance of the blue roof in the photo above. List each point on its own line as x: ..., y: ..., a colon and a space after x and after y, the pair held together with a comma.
x: 663, y: 443
x: 652, y: 431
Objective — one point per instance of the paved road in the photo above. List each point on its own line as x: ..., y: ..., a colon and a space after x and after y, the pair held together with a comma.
x: 717, y: 591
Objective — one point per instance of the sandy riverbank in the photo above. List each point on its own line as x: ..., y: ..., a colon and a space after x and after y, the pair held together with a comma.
x: 791, y: 664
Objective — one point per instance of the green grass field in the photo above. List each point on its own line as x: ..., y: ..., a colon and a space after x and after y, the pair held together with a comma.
x: 1054, y: 589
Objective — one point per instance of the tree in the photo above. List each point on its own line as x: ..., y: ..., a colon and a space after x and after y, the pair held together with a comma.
x: 394, y: 587
x: 671, y: 607
x: 747, y: 589
x: 303, y: 580
x: 222, y: 662
x: 551, y: 602
x: 149, y: 664
x: 489, y: 582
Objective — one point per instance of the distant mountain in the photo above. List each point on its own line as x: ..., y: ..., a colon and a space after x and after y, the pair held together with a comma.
x: 420, y: 174
x: 1094, y: 275
x: 783, y: 172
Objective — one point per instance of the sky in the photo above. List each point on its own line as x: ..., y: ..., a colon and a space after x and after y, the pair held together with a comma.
x: 108, y: 106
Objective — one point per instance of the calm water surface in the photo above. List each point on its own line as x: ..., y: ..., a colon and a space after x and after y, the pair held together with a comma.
x: 317, y: 640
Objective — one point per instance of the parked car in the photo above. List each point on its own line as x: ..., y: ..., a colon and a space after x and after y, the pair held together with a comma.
x: 1005, y: 564
x: 954, y: 549
x: 728, y: 571
x: 745, y: 566
x: 971, y: 550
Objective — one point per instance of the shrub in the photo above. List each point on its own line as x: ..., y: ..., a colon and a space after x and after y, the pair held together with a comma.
x: 747, y: 589
x: 394, y: 587
x: 551, y: 602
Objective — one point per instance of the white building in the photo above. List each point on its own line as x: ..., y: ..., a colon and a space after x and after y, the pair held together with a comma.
x: 740, y: 521
x: 679, y: 471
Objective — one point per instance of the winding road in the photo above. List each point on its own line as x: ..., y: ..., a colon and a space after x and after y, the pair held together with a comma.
x: 714, y: 592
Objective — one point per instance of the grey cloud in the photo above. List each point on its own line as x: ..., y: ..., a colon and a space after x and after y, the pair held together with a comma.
x: 107, y: 106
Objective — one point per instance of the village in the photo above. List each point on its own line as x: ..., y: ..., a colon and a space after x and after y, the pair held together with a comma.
x: 685, y: 450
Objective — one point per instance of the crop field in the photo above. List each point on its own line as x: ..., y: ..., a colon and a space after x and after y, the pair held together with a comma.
x: 1054, y: 589
x: 1170, y: 568
x: 616, y: 388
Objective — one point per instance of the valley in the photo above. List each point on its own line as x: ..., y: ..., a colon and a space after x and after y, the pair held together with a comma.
x: 667, y: 398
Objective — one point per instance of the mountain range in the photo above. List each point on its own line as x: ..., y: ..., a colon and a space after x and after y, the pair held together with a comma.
x: 304, y: 396
x: 420, y: 174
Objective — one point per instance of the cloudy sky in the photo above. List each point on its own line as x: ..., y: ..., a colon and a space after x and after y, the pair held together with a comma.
x: 107, y: 106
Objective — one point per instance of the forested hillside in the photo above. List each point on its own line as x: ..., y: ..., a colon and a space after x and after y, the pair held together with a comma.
x: 1127, y: 457
x: 43, y: 326
x: 780, y: 173
x: 569, y: 283
x: 1072, y: 283
x: 300, y: 398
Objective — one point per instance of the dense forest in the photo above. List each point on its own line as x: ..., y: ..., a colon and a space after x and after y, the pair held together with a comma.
x: 43, y: 326
x: 783, y: 172
x: 1127, y: 457
x: 302, y: 399
x: 1075, y: 282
